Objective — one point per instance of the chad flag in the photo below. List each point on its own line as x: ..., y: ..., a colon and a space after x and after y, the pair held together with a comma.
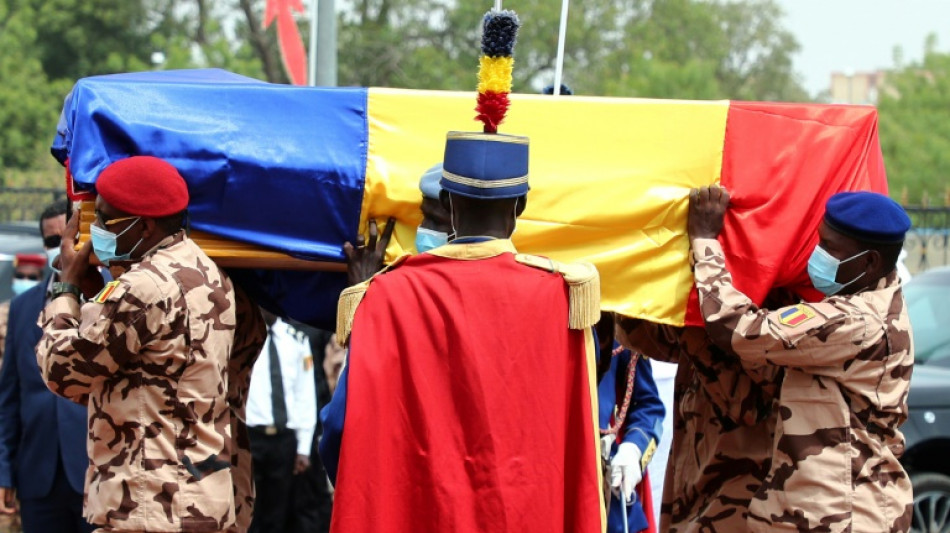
x: 299, y: 171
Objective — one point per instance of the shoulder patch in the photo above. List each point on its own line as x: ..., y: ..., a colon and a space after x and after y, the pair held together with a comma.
x: 106, y: 291
x: 796, y: 315
x: 537, y: 261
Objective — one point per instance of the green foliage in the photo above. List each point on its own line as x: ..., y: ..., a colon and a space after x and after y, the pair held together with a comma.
x: 29, y: 103
x: 78, y: 38
x: 699, y: 49
x: 914, y: 113
x: 650, y: 48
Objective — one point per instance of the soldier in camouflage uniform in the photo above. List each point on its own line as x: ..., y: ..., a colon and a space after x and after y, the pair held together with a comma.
x: 847, y: 362
x: 161, y: 357
x: 722, y: 428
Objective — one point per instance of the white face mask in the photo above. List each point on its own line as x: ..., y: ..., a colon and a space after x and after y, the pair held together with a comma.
x: 823, y: 271
x: 20, y: 286
x: 51, y: 256
x: 427, y: 239
x: 104, y: 243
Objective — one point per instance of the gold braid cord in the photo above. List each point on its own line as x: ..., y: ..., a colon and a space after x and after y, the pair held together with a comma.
x: 614, y: 427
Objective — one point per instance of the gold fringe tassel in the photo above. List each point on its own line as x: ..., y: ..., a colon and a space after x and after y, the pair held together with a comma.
x: 584, y: 293
x: 350, y: 299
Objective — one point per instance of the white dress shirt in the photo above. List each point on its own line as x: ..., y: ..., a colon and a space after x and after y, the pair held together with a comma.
x: 296, y: 369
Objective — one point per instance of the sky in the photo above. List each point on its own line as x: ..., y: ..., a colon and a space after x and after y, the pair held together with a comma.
x: 860, y: 35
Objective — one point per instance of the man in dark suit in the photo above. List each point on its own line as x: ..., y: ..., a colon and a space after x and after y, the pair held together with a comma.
x: 42, y: 436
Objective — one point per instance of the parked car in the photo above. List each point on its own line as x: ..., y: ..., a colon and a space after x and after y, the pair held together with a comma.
x: 927, y: 429
x: 927, y: 433
x: 928, y: 302
x: 16, y: 238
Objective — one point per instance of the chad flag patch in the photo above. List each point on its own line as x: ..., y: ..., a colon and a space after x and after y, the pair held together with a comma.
x: 796, y: 315
x: 105, y: 292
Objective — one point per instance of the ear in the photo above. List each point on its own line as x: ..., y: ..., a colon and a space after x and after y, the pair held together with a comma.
x: 875, y: 264
x: 520, y: 204
x: 149, y: 228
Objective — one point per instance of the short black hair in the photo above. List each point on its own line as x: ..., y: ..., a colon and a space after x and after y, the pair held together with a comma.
x: 565, y: 90
x: 890, y: 253
x: 172, y: 223
x: 53, y: 210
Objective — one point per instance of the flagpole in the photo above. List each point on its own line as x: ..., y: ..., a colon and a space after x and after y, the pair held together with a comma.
x: 498, y: 5
x: 312, y: 70
x: 562, y: 34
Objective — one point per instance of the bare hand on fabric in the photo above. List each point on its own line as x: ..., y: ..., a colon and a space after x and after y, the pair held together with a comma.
x: 366, y: 259
x: 7, y: 500
x: 707, y: 209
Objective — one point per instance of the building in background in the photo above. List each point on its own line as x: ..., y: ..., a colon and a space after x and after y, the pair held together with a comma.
x: 858, y: 87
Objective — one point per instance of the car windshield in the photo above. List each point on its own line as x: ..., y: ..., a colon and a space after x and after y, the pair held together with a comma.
x: 928, y: 304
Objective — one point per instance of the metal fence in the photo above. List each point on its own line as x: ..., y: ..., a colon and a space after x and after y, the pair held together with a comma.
x: 21, y: 204
x: 928, y: 243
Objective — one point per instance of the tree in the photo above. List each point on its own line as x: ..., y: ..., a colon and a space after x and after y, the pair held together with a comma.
x: 77, y: 38
x: 202, y: 33
x: 653, y: 48
x: 29, y: 103
x: 703, y: 49
x: 914, y: 114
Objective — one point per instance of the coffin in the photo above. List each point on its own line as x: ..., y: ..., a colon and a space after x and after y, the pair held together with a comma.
x: 281, y: 176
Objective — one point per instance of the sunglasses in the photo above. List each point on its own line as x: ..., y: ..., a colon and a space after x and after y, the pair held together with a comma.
x: 32, y: 277
x: 52, y: 241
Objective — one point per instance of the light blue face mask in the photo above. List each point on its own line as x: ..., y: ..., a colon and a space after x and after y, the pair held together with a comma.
x: 51, y: 256
x: 20, y: 286
x: 823, y: 270
x: 427, y: 239
x: 104, y: 243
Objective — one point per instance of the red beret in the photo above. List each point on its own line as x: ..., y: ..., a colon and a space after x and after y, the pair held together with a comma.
x: 143, y: 186
x: 29, y: 259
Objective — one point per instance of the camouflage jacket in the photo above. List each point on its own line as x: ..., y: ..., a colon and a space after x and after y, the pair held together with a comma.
x: 249, y: 338
x: 722, y: 428
x: 848, y: 361
x: 153, y: 356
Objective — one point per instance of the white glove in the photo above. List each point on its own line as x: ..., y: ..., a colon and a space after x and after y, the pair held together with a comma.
x: 606, y: 443
x: 625, y: 473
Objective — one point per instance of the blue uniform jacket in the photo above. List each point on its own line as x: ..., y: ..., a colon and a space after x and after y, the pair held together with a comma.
x: 643, y: 425
x: 37, y: 428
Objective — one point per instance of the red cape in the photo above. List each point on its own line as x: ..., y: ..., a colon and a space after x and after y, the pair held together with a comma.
x: 469, y: 404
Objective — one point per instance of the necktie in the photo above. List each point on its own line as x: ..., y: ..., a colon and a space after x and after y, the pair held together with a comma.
x: 276, y: 384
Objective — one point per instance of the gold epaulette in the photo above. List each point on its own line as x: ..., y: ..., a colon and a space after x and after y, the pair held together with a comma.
x: 583, y: 283
x: 350, y: 299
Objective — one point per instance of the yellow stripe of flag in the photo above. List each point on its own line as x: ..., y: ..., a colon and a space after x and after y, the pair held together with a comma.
x: 609, y: 180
